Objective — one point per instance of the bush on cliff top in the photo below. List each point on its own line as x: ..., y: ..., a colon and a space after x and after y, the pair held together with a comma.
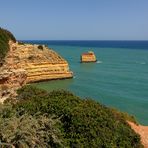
x: 81, y: 123
x: 5, y: 36
x: 40, y: 47
x: 30, y: 131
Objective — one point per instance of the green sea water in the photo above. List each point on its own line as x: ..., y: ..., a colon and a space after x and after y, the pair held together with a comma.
x: 119, y: 79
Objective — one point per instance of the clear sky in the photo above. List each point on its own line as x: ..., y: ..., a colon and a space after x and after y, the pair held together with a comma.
x: 76, y: 19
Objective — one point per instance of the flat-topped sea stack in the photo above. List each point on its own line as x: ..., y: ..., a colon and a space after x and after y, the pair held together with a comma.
x: 88, y: 57
x: 39, y: 62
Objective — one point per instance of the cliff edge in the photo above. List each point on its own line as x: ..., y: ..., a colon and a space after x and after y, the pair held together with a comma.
x: 39, y: 62
x: 26, y: 63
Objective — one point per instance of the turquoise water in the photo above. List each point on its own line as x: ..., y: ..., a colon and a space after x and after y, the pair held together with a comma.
x: 120, y: 80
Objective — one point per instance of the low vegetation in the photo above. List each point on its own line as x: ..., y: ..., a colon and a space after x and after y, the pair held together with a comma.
x: 40, y: 47
x: 61, y: 119
x: 5, y: 36
x: 21, y: 43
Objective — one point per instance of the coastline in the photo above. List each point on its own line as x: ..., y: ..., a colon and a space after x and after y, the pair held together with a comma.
x: 115, y: 80
x: 29, y: 63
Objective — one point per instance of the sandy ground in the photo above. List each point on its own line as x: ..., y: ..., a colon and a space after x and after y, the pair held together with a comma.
x: 142, y: 131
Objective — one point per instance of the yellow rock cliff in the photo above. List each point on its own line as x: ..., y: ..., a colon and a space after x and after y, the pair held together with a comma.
x: 27, y: 63
x: 40, y: 62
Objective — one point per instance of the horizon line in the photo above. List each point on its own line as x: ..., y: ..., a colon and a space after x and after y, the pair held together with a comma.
x: 72, y: 40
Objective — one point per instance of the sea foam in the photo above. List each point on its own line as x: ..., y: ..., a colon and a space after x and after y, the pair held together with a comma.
x: 98, y: 62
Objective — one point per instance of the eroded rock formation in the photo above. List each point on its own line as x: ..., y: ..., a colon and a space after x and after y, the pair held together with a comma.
x: 27, y: 63
x: 88, y: 57
x: 10, y: 81
x: 40, y: 62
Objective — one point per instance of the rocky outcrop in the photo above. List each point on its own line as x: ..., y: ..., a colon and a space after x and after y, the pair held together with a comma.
x: 88, y: 57
x: 27, y: 63
x: 40, y: 62
x: 10, y: 81
x: 142, y: 131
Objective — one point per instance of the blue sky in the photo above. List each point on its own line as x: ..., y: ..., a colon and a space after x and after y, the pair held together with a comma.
x: 76, y: 19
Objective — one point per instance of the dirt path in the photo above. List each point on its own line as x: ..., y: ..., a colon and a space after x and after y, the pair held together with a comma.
x: 142, y: 131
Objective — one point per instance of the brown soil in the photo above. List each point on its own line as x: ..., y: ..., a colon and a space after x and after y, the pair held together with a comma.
x: 142, y: 131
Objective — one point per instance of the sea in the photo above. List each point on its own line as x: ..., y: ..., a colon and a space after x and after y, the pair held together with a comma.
x: 119, y: 79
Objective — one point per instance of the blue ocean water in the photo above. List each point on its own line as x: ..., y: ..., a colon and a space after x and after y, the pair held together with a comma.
x: 119, y: 79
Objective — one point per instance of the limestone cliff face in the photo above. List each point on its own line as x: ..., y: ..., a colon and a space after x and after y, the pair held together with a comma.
x: 39, y: 62
x: 26, y: 63
x: 88, y: 57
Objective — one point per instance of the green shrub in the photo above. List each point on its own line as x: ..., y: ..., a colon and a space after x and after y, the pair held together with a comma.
x: 29, y: 92
x: 40, y: 47
x: 85, y: 123
x: 5, y: 36
x: 30, y: 131
x: 6, y: 111
x: 21, y: 43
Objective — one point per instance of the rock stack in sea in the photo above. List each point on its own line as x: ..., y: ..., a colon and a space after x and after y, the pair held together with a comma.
x: 88, y: 57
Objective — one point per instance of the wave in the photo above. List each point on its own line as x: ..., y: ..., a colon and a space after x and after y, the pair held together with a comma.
x: 98, y: 62
x: 143, y: 63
